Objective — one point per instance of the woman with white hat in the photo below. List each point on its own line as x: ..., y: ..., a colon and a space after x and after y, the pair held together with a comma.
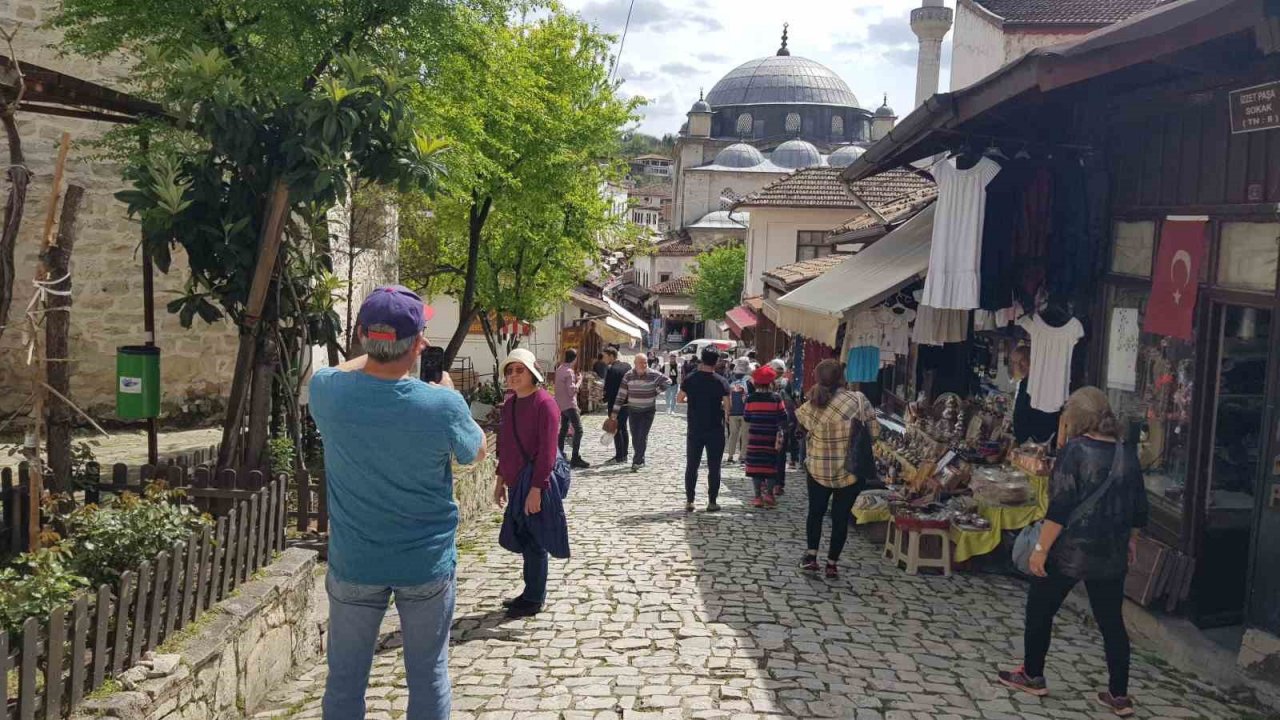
x: 527, y: 436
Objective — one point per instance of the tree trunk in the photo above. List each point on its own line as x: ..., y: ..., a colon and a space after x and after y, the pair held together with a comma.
x: 57, y: 341
x: 19, y: 179
x: 268, y: 252
x: 467, y: 308
x: 260, y: 406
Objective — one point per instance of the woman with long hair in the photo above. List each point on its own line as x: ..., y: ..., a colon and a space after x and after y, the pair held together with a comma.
x: 528, y: 435
x: 1097, y: 503
x: 827, y: 419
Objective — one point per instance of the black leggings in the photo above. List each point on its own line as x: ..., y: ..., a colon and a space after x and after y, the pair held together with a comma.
x: 1106, y: 597
x: 841, y: 502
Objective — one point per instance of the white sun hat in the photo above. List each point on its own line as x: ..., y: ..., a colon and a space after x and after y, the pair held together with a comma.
x: 525, y: 358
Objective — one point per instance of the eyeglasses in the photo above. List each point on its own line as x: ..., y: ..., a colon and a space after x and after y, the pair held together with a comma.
x: 513, y: 369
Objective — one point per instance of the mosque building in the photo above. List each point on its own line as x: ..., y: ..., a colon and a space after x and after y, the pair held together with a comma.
x: 766, y: 119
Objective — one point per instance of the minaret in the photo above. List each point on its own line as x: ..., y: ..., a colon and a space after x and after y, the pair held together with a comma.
x: 931, y: 23
x: 883, y: 120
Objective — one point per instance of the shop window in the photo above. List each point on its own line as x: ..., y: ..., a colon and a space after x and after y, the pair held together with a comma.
x: 1149, y: 380
x: 1134, y: 245
x: 811, y: 244
x: 1247, y: 255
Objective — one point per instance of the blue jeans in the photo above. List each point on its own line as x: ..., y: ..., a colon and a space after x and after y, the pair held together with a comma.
x: 535, y: 562
x: 355, y: 613
x: 671, y: 399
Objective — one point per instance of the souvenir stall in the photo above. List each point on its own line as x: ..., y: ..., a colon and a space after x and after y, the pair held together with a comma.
x: 1136, y: 243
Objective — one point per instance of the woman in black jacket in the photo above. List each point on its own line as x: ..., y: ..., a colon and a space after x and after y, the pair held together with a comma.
x: 1093, y: 545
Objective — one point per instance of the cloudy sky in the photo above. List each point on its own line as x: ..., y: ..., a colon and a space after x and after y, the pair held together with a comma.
x: 675, y: 47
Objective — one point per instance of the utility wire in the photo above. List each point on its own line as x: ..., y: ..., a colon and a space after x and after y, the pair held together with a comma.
x: 617, y: 62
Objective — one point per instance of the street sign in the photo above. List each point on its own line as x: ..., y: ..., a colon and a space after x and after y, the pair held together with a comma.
x: 1255, y: 108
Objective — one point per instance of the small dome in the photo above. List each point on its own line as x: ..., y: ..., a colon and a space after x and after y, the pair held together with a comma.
x: 845, y: 156
x: 884, y: 110
x: 739, y: 155
x: 684, y: 128
x: 700, y: 107
x: 796, y: 154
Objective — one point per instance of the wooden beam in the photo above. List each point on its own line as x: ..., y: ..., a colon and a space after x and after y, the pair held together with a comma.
x: 57, y: 340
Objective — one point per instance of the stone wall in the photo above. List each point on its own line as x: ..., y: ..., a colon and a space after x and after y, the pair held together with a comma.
x: 237, y: 653
x: 196, y: 365
x: 473, y: 486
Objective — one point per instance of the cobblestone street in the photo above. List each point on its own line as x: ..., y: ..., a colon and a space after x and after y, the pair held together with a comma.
x: 663, y: 614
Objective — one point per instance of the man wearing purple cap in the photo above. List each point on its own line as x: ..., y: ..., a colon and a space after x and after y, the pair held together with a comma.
x: 389, y: 445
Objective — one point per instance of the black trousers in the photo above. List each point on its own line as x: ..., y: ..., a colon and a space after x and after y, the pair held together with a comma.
x: 712, y: 441
x: 641, y: 423
x: 571, y: 417
x: 1106, y: 598
x: 840, y: 500
x: 621, y: 444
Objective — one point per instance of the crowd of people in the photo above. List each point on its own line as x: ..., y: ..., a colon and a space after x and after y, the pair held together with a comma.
x: 391, y: 440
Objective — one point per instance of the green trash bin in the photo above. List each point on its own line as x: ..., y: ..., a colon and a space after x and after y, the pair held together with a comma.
x: 137, y: 382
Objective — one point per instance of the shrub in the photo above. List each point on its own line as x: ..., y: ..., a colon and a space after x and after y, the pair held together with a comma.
x: 281, y: 450
x: 35, y: 584
x: 108, y: 540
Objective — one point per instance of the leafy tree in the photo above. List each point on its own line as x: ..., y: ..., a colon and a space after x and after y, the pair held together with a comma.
x: 277, y: 109
x: 533, y: 125
x: 718, y: 278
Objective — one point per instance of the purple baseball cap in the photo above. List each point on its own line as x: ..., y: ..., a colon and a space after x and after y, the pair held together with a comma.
x: 397, y: 307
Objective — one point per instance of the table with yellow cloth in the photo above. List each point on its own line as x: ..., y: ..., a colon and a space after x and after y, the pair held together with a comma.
x: 972, y: 543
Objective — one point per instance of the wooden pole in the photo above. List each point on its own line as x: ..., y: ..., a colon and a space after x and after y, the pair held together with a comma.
x: 268, y: 250
x: 57, y: 328
x: 149, y: 327
x: 36, y: 483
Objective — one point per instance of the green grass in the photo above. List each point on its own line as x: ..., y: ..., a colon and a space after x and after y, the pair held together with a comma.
x: 109, y: 687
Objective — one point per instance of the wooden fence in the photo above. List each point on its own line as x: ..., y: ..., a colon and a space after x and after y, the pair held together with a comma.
x: 54, y: 662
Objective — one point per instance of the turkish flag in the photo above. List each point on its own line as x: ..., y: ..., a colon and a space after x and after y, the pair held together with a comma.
x: 1176, y: 282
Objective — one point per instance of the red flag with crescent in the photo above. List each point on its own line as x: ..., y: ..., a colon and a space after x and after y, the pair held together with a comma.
x: 1176, y: 280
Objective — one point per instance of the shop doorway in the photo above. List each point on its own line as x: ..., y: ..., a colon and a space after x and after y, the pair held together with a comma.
x: 1235, y: 452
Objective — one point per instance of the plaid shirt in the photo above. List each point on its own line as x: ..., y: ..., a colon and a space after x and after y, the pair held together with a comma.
x: 828, y: 430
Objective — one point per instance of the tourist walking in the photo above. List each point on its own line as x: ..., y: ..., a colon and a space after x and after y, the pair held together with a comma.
x: 600, y: 367
x: 526, y: 437
x: 766, y: 419
x: 738, y: 391
x: 568, y: 383
x: 708, y: 397
x: 671, y: 368
x: 1097, y: 504
x: 617, y: 370
x: 827, y: 419
x: 638, y: 397
x: 390, y: 441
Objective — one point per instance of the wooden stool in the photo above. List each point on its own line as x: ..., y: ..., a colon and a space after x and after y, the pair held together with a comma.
x: 892, y: 542
x: 913, y: 531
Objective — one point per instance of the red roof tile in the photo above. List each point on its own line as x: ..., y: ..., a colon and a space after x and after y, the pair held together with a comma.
x: 674, y: 286
x: 823, y: 188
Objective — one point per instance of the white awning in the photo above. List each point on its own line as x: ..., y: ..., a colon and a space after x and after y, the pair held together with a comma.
x: 614, y: 330
x: 676, y: 306
x: 627, y: 316
x: 816, y: 309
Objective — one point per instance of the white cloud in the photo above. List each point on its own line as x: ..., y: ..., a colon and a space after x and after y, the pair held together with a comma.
x: 676, y: 47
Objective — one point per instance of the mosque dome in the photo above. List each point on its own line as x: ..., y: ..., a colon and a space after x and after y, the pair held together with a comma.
x: 702, y: 106
x: 884, y: 110
x: 739, y: 155
x: 796, y: 154
x: 781, y: 79
x: 845, y: 156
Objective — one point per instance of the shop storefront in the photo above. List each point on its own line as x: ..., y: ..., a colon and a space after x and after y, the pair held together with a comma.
x: 1167, y: 259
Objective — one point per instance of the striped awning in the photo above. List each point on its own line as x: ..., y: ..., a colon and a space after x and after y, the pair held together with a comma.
x: 741, y: 319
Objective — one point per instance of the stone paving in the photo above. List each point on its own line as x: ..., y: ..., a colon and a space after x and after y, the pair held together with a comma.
x: 662, y: 614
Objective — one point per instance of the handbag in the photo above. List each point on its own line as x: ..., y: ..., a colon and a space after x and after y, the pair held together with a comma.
x: 860, y: 459
x: 1025, y: 544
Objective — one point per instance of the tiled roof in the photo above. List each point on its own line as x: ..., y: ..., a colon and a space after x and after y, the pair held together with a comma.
x: 899, y: 210
x: 1065, y: 12
x: 823, y: 188
x: 681, y: 246
x: 802, y: 272
x: 674, y: 286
